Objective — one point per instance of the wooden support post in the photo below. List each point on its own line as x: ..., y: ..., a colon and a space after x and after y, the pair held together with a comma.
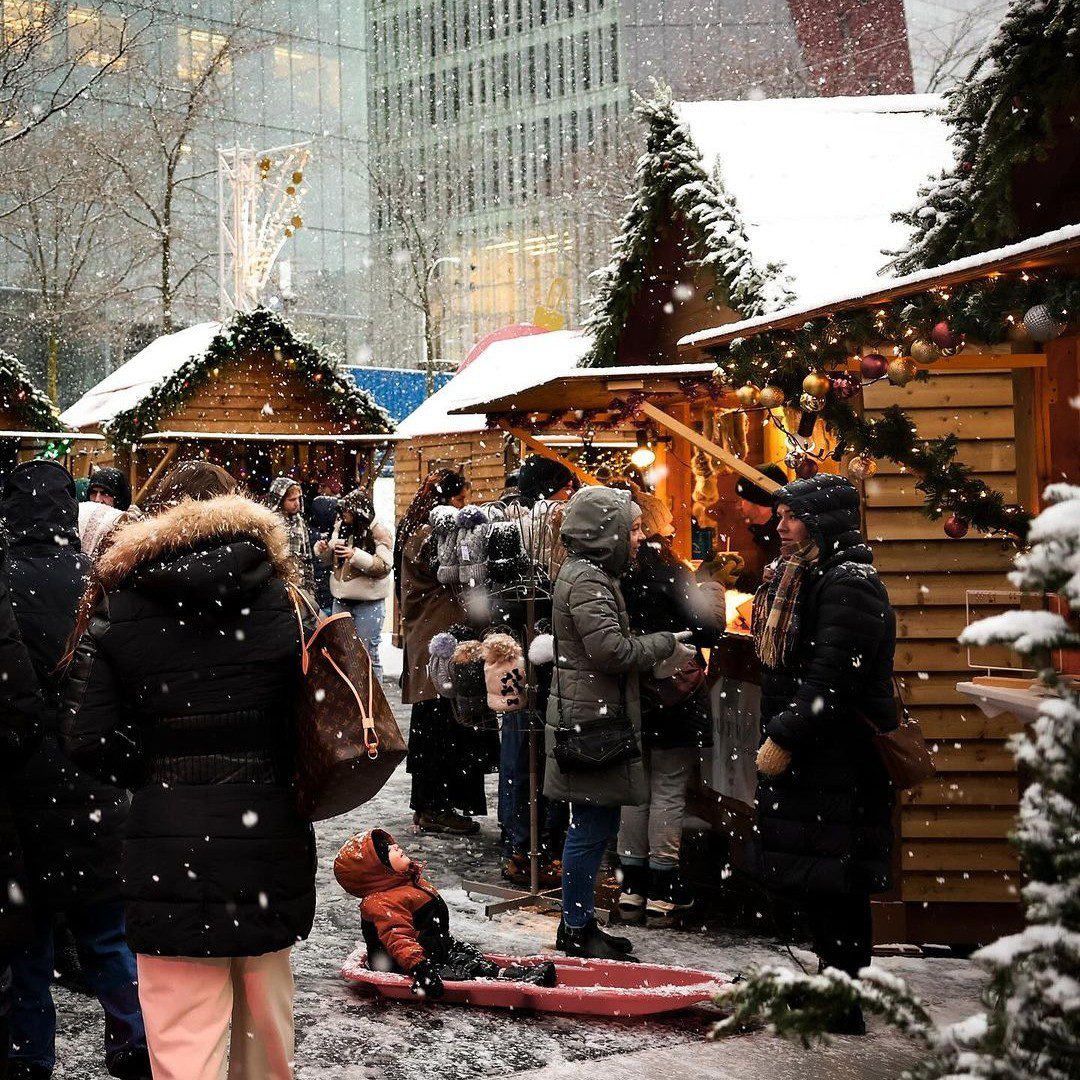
x: 159, y: 468
x: 676, y: 427
x: 544, y: 450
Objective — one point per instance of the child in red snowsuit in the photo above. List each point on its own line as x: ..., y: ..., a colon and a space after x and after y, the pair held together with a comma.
x: 406, y: 923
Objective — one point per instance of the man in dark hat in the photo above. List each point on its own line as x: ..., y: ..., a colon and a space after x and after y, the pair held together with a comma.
x: 541, y: 478
x: 109, y: 486
x: 758, y: 509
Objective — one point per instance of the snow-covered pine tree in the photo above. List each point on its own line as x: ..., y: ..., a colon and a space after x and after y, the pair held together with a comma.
x: 670, y: 177
x: 1002, y: 115
x: 1031, y: 1027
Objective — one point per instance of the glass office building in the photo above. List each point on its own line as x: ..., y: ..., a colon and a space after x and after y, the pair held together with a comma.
x: 299, y: 75
x: 517, y: 114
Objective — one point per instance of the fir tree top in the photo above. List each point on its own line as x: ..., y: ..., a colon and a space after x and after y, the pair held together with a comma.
x: 20, y: 397
x: 671, y: 181
x: 1002, y: 116
x: 247, y: 334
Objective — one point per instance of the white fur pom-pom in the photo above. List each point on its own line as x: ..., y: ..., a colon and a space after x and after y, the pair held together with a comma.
x: 542, y: 649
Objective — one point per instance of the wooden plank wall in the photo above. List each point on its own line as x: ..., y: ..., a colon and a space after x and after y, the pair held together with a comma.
x: 480, y: 454
x: 953, y: 846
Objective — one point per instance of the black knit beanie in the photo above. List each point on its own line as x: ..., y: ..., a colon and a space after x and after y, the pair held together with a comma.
x: 540, y: 477
x: 748, y: 490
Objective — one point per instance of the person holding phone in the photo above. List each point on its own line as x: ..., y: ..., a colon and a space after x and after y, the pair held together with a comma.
x: 360, y: 553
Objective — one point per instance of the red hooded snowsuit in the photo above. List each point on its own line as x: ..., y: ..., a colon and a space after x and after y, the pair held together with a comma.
x: 404, y: 919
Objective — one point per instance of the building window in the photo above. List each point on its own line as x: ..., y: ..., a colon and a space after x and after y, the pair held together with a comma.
x: 94, y: 39
x: 301, y: 70
x: 197, y: 51
x: 586, y: 72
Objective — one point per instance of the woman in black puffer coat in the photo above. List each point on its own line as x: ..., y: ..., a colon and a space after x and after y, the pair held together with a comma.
x: 70, y: 824
x: 20, y: 728
x: 825, y: 633
x: 181, y: 687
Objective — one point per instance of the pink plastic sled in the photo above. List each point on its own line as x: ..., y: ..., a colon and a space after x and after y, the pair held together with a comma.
x: 590, y: 987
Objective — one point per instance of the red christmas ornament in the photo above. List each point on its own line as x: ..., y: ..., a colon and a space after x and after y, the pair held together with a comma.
x: 806, y: 468
x: 956, y: 526
x: 967, y: 166
x: 944, y: 338
x: 873, y: 365
x: 845, y: 385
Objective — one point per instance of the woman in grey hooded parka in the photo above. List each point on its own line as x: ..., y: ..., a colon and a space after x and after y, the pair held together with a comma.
x: 597, y: 663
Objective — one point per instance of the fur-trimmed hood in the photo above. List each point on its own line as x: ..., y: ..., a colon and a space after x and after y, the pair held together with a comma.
x: 214, y: 547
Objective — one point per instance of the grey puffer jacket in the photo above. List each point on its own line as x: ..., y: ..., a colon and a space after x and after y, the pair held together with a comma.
x: 597, y: 660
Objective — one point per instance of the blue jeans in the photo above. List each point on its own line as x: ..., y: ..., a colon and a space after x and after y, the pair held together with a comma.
x: 514, y: 787
x: 109, y: 967
x: 591, y: 827
x: 368, y: 616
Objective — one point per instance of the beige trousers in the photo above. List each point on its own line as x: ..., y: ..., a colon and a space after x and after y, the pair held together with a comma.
x: 189, y: 1004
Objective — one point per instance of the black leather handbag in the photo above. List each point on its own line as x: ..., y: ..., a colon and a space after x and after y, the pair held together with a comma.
x: 596, y: 744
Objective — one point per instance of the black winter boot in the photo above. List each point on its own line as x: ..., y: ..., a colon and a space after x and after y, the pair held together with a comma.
x: 542, y: 974
x: 633, y: 892
x: 622, y: 943
x: 133, y: 1064
x: 591, y: 942
x: 668, y: 893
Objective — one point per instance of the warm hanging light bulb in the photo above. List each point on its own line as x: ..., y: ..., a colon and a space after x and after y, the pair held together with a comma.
x: 644, y: 455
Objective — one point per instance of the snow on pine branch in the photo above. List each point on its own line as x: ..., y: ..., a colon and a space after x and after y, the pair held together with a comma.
x: 1028, y: 632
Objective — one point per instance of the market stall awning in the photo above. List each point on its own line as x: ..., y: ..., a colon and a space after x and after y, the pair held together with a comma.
x: 591, y: 388
x: 262, y: 436
x: 588, y: 389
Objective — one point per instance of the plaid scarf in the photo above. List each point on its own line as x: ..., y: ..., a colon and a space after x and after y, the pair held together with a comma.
x: 775, y: 618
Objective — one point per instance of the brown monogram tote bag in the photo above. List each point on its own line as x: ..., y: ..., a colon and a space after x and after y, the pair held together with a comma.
x: 348, y: 742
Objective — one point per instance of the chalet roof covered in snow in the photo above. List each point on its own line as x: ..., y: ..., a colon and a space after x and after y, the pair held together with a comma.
x: 815, y: 181
x: 504, y: 367
x: 125, y: 387
x: 1049, y: 248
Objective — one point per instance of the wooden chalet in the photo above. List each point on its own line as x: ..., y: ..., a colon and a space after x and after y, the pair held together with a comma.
x: 248, y: 394
x: 695, y: 272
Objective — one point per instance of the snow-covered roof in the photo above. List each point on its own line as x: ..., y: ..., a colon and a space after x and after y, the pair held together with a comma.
x: 504, y: 367
x: 816, y: 180
x: 129, y: 384
x: 874, y: 287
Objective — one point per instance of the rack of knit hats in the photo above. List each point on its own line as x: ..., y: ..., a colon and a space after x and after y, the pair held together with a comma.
x: 502, y: 557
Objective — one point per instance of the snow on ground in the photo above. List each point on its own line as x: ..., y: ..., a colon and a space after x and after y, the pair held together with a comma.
x: 345, y: 1036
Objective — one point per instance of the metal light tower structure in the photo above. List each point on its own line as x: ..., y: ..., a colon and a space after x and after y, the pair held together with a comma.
x: 259, y: 196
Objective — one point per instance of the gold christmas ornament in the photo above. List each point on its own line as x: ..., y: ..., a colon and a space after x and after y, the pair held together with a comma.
x: 297, y: 221
x: 297, y: 177
x: 817, y: 384
x: 861, y: 467
x: 901, y: 370
x: 772, y: 397
x: 811, y: 403
x: 265, y: 165
x: 748, y: 396
x: 290, y: 190
x: 923, y: 352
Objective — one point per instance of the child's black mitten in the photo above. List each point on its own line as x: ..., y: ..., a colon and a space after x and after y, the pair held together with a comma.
x: 426, y: 981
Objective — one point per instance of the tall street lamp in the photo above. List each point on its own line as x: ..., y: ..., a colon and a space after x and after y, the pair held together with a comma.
x: 429, y: 329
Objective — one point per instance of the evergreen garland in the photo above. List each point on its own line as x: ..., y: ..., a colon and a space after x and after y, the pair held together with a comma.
x: 1001, y: 116
x: 248, y: 334
x: 1031, y: 1027
x: 670, y: 180
x: 20, y: 396
x: 989, y: 310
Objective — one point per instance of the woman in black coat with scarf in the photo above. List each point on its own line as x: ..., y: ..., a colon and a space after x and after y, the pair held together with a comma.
x: 181, y: 688
x: 70, y: 824
x: 826, y: 634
